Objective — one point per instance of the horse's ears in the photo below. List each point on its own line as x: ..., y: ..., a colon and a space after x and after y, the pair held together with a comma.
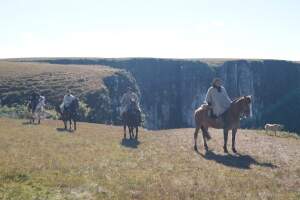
x: 248, y: 98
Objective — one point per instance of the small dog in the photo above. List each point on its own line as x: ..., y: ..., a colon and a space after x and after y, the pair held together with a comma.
x: 273, y: 127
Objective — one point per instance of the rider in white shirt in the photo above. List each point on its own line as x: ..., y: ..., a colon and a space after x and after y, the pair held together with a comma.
x: 41, y: 104
x: 68, y: 99
x: 217, y: 98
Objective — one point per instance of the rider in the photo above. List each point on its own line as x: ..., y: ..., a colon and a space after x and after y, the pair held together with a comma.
x: 34, y: 99
x: 41, y: 103
x: 217, y: 98
x: 130, y: 98
x: 68, y: 99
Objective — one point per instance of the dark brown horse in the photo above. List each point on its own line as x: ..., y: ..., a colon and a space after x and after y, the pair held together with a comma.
x: 69, y: 114
x: 131, y: 119
x: 238, y: 108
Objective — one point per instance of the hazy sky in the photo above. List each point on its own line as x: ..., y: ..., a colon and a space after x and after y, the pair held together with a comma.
x: 152, y: 28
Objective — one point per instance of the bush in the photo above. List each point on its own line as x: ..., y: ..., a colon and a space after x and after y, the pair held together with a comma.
x: 15, y: 111
x: 21, y: 112
x: 84, y: 111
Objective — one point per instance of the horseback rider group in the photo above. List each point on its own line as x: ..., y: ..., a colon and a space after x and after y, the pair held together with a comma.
x: 129, y: 101
x: 217, y: 100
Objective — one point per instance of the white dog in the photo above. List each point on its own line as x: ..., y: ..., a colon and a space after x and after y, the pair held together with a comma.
x: 273, y: 127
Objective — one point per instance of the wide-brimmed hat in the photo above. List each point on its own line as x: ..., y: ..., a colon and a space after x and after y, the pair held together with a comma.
x: 129, y: 88
x: 216, y: 80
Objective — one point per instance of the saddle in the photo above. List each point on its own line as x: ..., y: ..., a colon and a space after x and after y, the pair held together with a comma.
x: 217, y: 119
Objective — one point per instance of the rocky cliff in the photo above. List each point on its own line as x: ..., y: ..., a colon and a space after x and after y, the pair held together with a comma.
x: 172, y: 89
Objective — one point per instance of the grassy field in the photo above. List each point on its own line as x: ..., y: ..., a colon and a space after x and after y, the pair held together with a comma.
x: 17, y: 79
x: 44, y: 162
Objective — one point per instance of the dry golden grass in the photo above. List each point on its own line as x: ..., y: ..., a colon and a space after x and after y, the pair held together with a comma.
x: 42, y: 162
x: 17, y: 79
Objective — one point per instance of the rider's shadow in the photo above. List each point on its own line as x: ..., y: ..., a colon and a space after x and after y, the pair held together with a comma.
x: 130, y: 143
x: 236, y: 161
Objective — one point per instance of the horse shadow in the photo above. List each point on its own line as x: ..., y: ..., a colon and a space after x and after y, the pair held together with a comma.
x: 236, y: 161
x: 130, y: 143
x: 29, y: 123
x: 64, y: 130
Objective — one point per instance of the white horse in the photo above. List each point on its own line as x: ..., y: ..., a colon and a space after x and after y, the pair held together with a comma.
x: 39, y: 111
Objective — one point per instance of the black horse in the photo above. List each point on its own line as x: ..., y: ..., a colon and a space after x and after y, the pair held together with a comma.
x: 131, y: 118
x: 70, y: 113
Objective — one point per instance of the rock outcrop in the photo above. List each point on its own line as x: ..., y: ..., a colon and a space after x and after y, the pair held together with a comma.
x: 172, y: 89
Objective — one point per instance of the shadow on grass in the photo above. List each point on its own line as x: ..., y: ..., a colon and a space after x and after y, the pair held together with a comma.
x: 28, y: 123
x: 64, y: 130
x: 236, y: 160
x: 130, y: 143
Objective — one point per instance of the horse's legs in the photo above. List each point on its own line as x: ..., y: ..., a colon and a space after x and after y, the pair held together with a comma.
x: 70, y: 124
x: 195, y: 138
x: 225, y: 140
x: 39, y: 118
x: 74, y: 124
x: 233, y: 139
x: 124, y: 127
x: 131, y: 132
x: 205, y: 134
x: 65, y: 123
x: 136, y: 132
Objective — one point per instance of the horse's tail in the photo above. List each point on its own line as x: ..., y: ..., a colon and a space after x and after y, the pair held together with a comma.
x: 197, y: 117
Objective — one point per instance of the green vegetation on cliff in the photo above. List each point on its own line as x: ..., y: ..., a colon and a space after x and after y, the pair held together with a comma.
x: 94, y: 85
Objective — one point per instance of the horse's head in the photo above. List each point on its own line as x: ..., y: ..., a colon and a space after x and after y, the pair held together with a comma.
x: 75, y: 104
x: 245, y: 103
x: 57, y: 109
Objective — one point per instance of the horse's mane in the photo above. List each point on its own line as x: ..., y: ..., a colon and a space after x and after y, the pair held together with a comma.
x: 239, y: 98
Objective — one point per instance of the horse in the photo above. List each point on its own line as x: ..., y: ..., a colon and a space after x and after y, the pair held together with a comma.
x: 131, y: 119
x: 241, y: 107
x: 36, y: 109
x: 69, y: 114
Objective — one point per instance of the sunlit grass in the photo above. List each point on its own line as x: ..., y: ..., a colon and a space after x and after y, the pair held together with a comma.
x: 42, y: 162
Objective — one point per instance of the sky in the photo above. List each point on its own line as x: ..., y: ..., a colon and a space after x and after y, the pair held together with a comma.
x: 266, y: 29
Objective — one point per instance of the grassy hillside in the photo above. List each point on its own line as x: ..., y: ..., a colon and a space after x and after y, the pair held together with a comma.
x: 42, y: 162
x: 17, y: 79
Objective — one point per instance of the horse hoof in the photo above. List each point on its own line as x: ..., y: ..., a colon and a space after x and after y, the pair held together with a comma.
x: 234, y: 150
x: 206, y: 148
x: 225, y: 150
x: 195, y: 148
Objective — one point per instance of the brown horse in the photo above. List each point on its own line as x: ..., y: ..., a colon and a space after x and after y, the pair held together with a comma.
x: 238, y: 108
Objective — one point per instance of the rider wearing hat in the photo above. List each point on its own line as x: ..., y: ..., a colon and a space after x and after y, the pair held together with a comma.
x: 34, y: 99
x: 130, y: 98
x: 217, y: 98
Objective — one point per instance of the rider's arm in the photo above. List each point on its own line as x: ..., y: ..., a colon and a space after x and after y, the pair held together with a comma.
x: 123, y: 99
x: 208, y: 98
x: 226, y: 95
x: 135, y: 96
